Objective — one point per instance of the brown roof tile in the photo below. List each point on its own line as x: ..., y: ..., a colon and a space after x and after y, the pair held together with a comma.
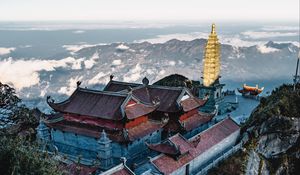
x: 138, y: 109
x: 106, y: 105
x: 196, y: 120
x: 116, y: 86
x: 192, y: 103
x: 208, y: 138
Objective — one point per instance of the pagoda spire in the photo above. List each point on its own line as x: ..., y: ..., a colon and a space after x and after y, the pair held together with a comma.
x: 211, y: 68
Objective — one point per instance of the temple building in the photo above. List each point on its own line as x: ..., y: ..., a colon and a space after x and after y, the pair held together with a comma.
x: 99, y: 127
x: 138, y: 128
x: 188, y: 156
x: 250, y: 90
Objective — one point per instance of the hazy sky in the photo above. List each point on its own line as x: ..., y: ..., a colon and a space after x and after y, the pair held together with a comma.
x: 205, y: 10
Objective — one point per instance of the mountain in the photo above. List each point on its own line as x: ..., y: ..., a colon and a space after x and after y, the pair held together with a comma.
x: 131, y: 62
x: 273, y: 137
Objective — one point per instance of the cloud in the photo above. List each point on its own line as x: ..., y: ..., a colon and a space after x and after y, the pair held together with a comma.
x: 237, y: 42
x: 224, y: 39
x: 280, y: 28
x: 25, y: 46
x: 117, y: 62
x: 265, y: 49
x: 6, y: 50
x: 122, y: 47
x: 172, y: 63
x: 68, y: 90
x: 179, y: 36
x: 88, y: 64
x: 100, y: 78
x: 260, y: 35
x: 134, y: 74
x: 78, y: 31
x: 76, y: 47
x: 25, y: 73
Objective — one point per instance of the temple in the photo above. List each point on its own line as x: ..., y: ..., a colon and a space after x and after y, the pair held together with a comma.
x: 138, y: 128
x: 250, y: 90
x: 102, y: 126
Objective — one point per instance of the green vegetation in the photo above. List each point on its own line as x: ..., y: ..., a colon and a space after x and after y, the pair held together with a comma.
x: 19, y: 152
x: 275, y: 115
x: 283, y: 101
x: 176, y: 80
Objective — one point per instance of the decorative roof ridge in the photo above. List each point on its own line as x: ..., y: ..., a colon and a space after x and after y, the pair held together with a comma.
x: 123, y: 94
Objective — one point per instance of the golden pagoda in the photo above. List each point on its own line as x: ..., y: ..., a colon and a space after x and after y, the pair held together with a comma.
x: 211, y: 68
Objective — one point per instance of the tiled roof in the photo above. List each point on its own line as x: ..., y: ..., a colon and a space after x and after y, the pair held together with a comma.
x: 167, y: 96
x: 143, y: 129
x: 123, y: 135
x: 120, y: 169
x: 196, y: 120
x: 75, y: 169
x: 116, y: 86
x: 192, y: 103
x: 136, y: 110
x: 105, y: 105
x: 204, y: 141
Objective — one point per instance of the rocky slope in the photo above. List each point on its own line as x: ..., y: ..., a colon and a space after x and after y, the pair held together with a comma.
x: 273, y: 130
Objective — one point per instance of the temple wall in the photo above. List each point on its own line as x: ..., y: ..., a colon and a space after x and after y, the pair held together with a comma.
x: 75, y: 140
x: 180, y: 171
x: 138, y: 148
x: 76, y: 145
x: 213, y: 152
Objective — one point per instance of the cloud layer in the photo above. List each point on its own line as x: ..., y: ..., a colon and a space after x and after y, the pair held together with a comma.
x: 6, y: 50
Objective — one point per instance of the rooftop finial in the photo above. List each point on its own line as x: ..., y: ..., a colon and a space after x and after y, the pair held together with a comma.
x: 145, y: 81
x: 78, y: 83
x: 111, y: 77
x: 213, y: 29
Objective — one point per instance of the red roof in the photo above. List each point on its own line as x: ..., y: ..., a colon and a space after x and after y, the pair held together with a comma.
x: 175, y: 145
x: 208, y: 138
x: 167, y: 96
x: 192, y: 103
x: 183, y: 145
x: 75, y: 169
x: 136, y: 110
x: 196, y: 120
x: 130, y: 134
x: 106, y: 105
x: 143, y: 129
x: 116, y: 86
x: 121, y: 172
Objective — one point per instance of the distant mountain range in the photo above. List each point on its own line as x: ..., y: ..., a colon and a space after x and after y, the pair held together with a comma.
x: 132, y: 62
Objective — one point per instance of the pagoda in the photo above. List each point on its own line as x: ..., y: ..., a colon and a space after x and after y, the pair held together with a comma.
x: 211, y: 86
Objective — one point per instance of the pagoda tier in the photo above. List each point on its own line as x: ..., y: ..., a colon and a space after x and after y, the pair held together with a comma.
x: 211, y: 69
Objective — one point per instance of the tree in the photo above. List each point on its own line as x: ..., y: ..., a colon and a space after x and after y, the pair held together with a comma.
x: 19, y: 152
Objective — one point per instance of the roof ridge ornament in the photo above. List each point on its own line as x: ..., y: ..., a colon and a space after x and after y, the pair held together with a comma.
x: 111, y: 77
x: 145, y: 81
x: 78, y: 83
